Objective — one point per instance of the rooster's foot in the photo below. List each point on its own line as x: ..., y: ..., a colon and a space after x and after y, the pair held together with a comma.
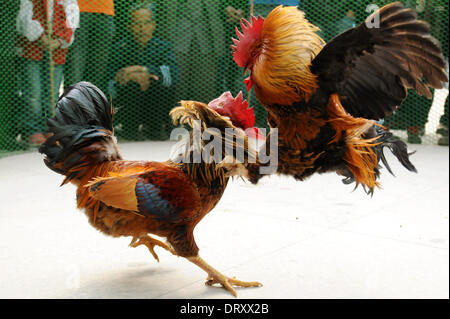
x: 215, y: 277
x: 228, y: 283
x: 150, y: 243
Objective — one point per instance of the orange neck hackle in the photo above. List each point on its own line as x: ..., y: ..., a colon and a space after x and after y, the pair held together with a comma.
x: 281, y: 56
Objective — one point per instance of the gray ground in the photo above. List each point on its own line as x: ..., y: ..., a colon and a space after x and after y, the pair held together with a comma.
x: 315, y: 239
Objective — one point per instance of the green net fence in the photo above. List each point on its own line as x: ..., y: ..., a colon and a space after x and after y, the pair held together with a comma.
x: 147, y: 56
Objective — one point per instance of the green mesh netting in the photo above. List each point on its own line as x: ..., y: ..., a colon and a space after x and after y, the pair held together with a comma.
x: 187, y: 57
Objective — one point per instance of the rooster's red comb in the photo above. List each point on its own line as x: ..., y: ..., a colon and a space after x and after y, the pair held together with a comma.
x: 251, y: 31
x: 235, y: 108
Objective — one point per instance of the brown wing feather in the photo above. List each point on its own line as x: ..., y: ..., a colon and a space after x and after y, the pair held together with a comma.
x: 372, y: 68
x: 117, y: 192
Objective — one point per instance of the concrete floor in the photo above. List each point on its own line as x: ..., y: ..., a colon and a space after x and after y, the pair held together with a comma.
x: 315, y: 239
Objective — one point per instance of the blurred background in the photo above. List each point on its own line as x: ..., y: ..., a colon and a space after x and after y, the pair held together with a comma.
x: 148, y: 55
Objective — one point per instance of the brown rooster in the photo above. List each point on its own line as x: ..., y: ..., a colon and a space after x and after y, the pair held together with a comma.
x: 324, y: 98
x: 140, y: 198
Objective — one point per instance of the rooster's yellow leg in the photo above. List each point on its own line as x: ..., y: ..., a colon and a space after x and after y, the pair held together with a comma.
x: 215, y: 277
x: 150, y: 243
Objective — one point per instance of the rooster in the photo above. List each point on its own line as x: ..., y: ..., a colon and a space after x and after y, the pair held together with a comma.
x: 324, y: 99
x: 140, y: 198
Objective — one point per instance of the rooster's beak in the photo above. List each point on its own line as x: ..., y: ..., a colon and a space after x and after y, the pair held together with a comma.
x: 249, y: 83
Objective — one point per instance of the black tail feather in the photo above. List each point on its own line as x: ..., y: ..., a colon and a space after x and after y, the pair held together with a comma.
x: 84, y: 104
x: 82, y: 130
x: 396, y: 146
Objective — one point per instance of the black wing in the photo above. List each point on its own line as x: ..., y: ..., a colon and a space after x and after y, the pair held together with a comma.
x: 372, y: 68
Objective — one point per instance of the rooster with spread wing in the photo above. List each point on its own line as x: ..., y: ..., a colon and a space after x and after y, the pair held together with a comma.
x: 324, y: 98
x: 140, y: 198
